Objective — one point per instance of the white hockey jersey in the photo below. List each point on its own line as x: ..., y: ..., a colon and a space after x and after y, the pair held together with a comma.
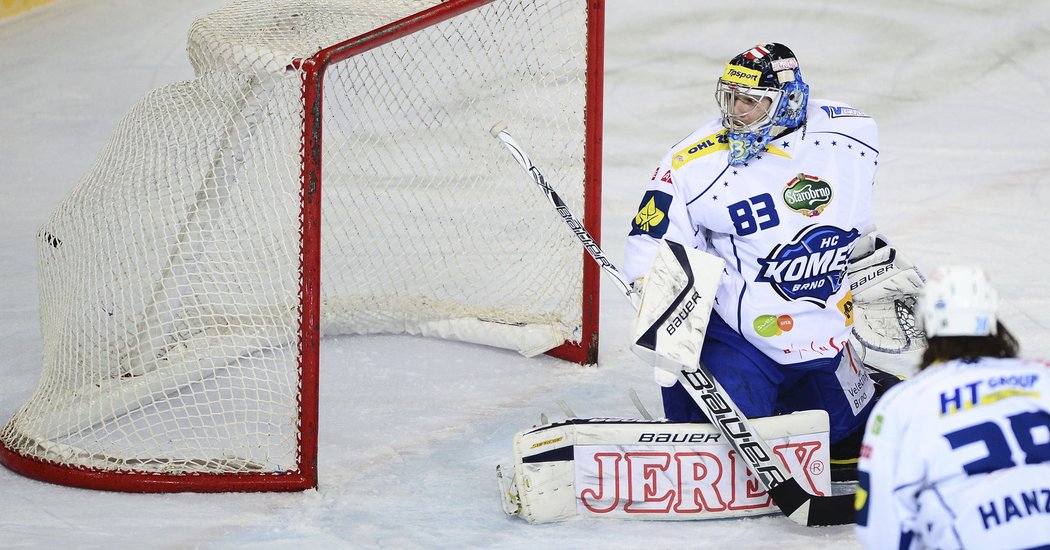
x: 958, y: 456
x: 785, y: 222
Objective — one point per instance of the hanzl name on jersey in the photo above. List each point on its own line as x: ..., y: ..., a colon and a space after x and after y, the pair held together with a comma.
x: 811, y: 267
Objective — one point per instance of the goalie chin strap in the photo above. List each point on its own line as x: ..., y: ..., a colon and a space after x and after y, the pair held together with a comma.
x: 797, y: 504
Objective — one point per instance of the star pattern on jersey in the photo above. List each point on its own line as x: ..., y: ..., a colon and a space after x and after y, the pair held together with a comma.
x: 727, y: 181
x: 835, y: 143
x: 783, y: 144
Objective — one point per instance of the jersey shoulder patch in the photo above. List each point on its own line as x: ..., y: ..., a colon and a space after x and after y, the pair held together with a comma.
x: 717, y: 141
x: 841, y: 111
x: 651, y: 218
x: 838, y: 118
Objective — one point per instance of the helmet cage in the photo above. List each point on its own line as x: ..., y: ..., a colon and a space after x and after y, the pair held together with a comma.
x: 751, y: 99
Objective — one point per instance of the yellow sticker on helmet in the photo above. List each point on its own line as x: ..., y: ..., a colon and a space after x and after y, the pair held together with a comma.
x: 741, y: 75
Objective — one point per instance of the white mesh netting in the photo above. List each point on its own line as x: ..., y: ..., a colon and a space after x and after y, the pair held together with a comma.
x: 170, y: 275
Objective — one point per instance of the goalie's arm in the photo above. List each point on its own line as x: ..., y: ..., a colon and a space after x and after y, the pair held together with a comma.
x: 661, y: 215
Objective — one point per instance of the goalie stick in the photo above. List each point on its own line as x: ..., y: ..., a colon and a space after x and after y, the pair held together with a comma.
x: 797, y: 504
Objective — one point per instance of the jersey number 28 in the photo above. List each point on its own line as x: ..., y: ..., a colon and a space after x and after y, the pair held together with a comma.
x: 1024, y: 426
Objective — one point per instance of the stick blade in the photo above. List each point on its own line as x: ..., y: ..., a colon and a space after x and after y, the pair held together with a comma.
x: 813, y: 511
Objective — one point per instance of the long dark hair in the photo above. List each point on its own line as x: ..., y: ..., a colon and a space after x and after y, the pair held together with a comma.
x: 946, y: 348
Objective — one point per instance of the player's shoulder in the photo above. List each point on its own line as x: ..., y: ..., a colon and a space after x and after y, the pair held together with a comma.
x: 701, y: 144
x: 999, y: 372
x: 926, y: 388
x: 912, y: 392
x: 986, y: 367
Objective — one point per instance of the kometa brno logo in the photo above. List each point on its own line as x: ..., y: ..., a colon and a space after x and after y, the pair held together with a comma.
x: 811, y: 267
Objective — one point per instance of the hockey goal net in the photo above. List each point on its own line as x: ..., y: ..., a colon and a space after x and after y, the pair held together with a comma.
x: 328, y: 171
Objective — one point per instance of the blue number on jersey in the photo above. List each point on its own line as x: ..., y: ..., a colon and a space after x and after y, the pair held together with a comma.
x: 999, y: 449
x: 744, y: 218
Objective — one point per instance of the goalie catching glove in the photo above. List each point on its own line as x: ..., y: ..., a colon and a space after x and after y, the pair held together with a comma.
x: 885, y: 286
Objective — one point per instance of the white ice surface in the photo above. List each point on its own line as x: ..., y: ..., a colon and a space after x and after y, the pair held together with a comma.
x: 412, y: 428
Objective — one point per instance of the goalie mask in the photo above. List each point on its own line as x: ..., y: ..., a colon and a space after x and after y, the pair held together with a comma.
x: 761, y: 95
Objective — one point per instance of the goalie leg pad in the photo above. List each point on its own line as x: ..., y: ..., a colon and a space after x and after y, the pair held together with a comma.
x: 633, y: 469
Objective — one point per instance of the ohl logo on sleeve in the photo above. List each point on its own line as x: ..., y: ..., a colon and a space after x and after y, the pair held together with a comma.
x: 651, y: 218
x: 811, y: 267
x: 718, y: 141
x: 807, y: 195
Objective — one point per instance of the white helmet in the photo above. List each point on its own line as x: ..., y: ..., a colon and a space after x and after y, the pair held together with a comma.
x: 958, y: 301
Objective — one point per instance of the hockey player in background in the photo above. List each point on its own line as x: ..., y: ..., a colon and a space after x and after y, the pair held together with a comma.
x: 780, y: 186
x: 959, y: 455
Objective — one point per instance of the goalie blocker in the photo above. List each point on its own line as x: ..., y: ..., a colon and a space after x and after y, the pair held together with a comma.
x: 669, y: 327
x: 633, y: 469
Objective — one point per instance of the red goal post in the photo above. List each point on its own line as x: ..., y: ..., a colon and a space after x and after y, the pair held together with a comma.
x: 187, y: 279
